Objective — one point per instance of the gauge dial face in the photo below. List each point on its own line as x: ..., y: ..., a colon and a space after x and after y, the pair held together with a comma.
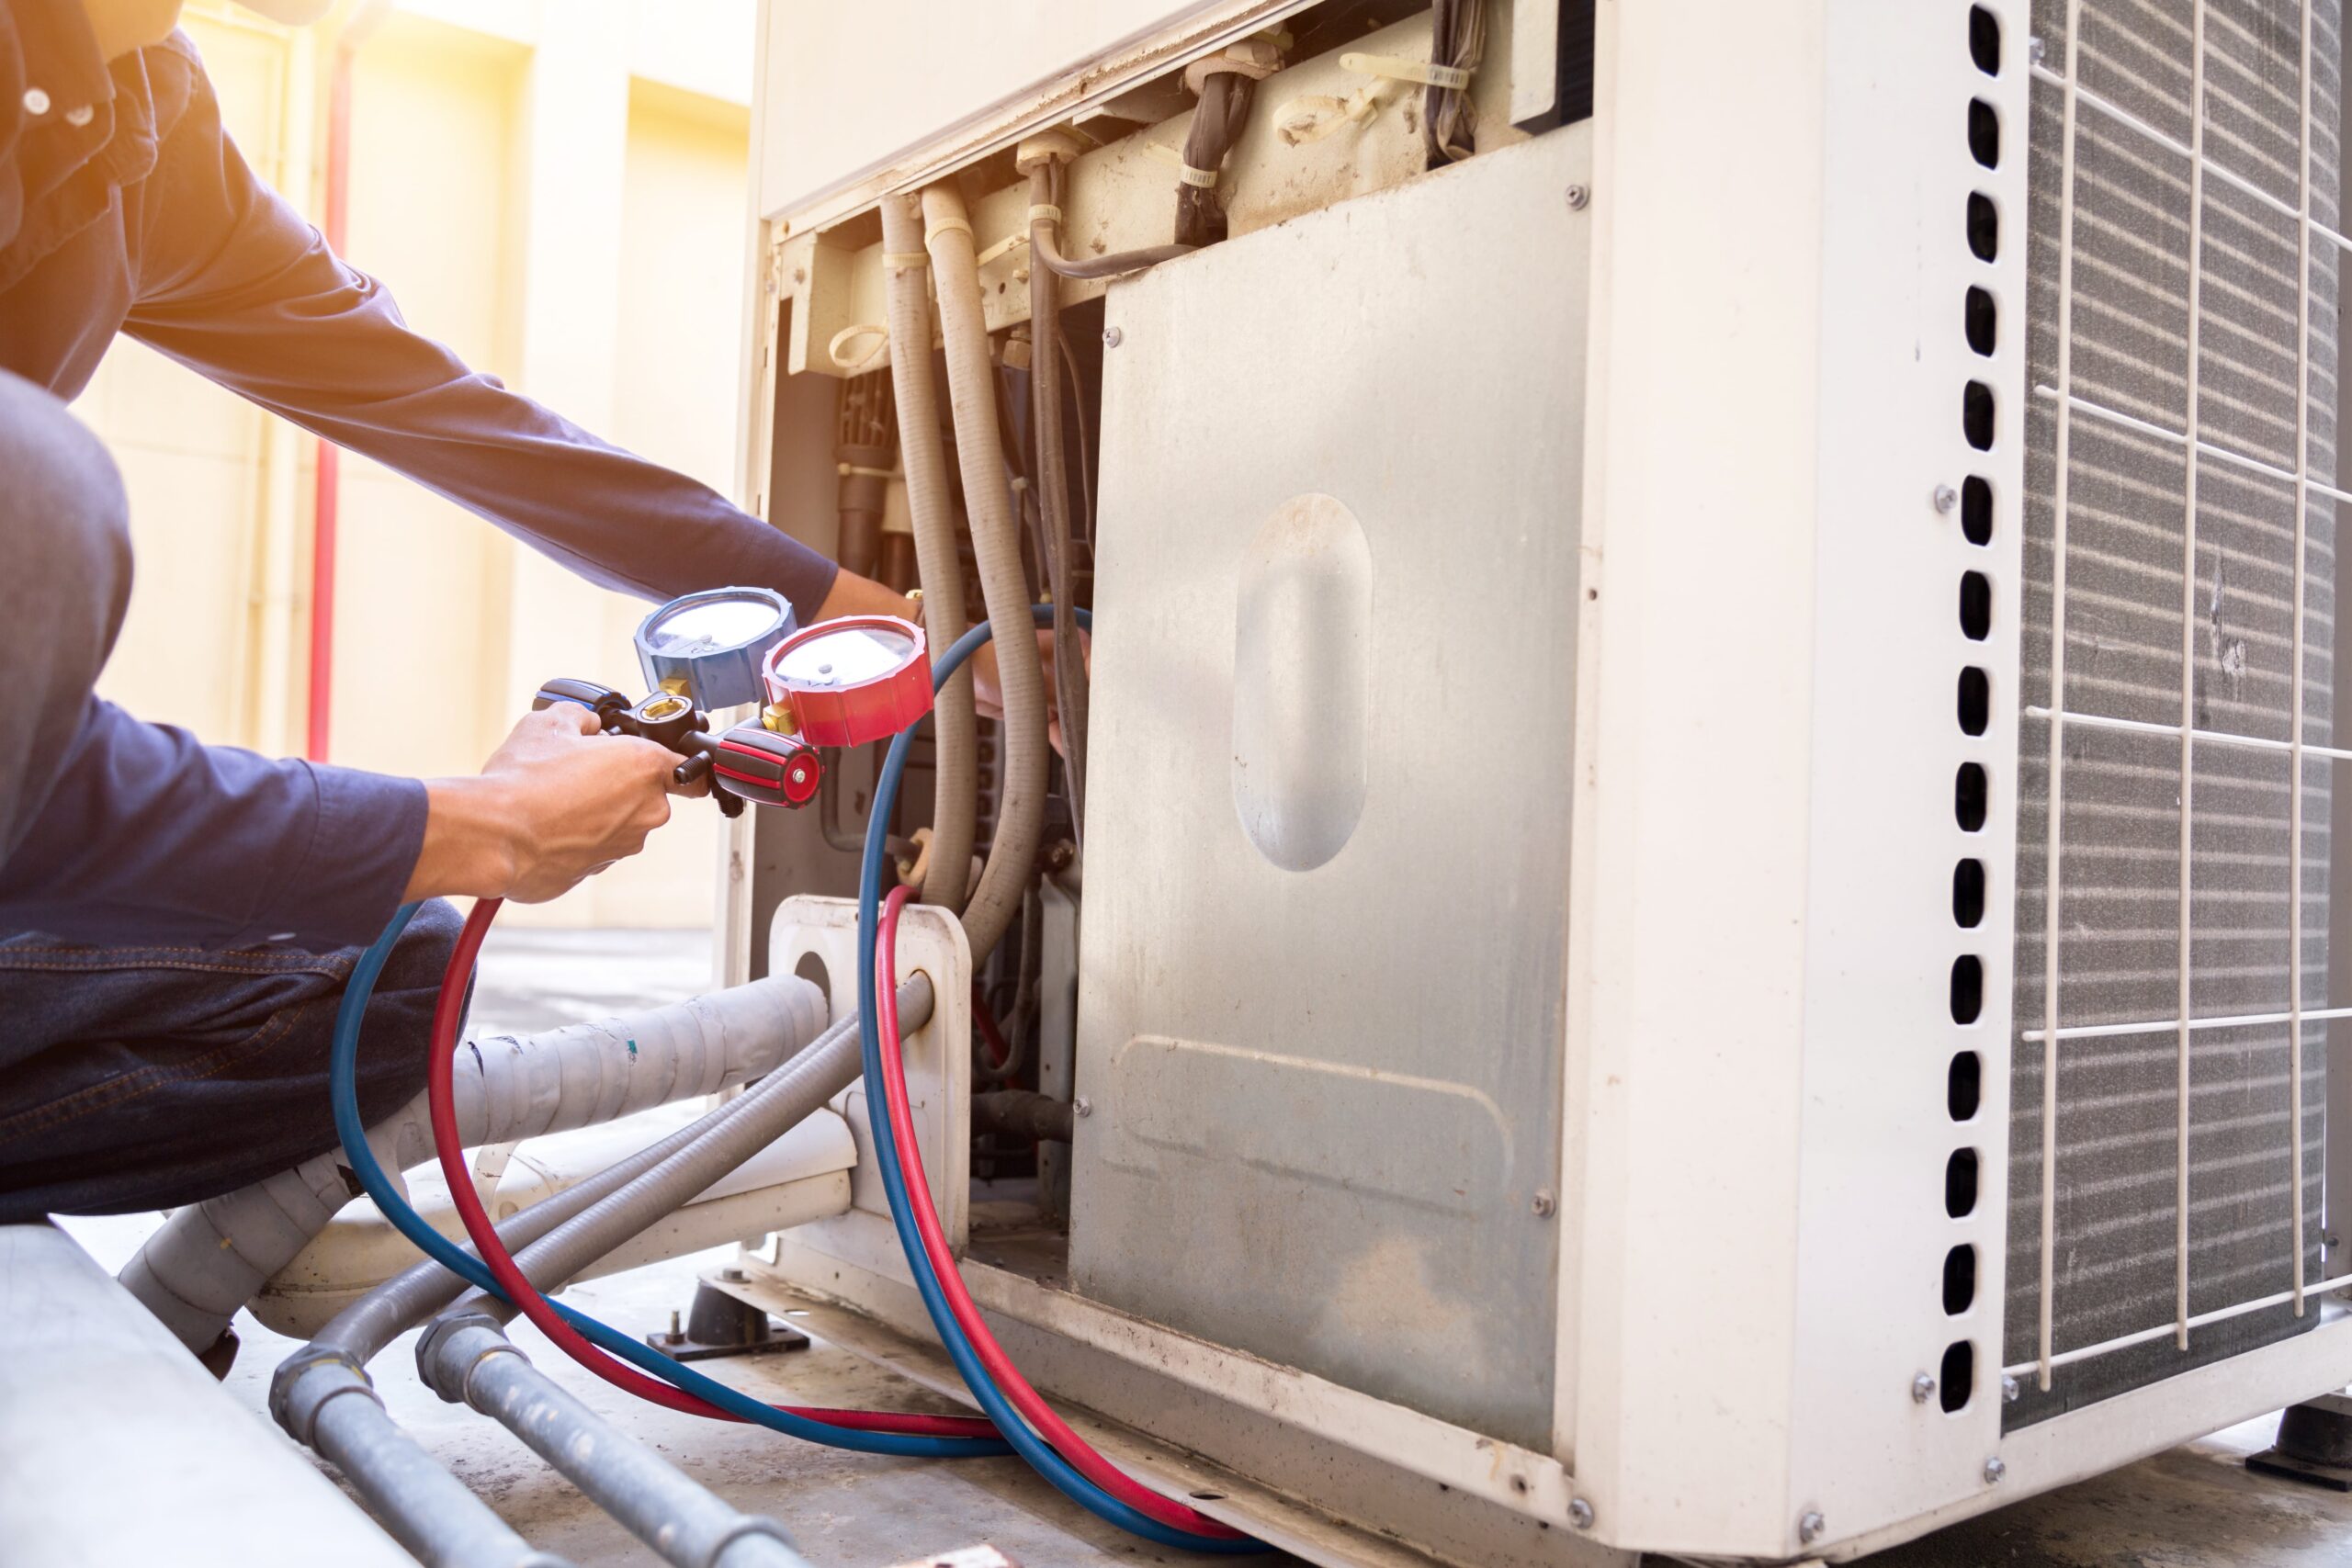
x: 849, y: 657
x: 711, y: 627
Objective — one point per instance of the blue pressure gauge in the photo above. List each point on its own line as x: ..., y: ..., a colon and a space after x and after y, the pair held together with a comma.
x: 710, y: 645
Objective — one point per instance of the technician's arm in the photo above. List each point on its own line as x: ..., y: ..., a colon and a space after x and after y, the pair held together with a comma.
x: 239, y: 287
x: 148, y: 837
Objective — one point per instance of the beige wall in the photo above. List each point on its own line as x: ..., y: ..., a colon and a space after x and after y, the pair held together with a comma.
x: 564, y: 206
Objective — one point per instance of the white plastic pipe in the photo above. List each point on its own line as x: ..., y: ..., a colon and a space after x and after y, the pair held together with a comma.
x: 210, y: 1258
x: 995, y: 548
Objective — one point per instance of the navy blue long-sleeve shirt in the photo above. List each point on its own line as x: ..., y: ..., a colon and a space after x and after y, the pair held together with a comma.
x: 125, y: 206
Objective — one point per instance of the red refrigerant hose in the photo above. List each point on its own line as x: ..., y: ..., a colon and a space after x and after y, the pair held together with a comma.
x: 1025, y: 1399
x: 448, y: 1012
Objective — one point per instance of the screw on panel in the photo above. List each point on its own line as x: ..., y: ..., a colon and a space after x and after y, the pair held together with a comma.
x: 1995, y: 1470
x: 732, y: 1276
x: 2010, y: 1391
x: 1081, y: 1106
x: 1580, y: 1513
x: 1809, y: 1527
x: 1945, y: 498
x: 1111, y: 336
x: 1922, y: 1386
x: 1544, y: 1202
x: 1578, y: 197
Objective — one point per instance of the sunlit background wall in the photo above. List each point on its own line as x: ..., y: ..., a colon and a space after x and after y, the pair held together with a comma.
x: 556, y: 189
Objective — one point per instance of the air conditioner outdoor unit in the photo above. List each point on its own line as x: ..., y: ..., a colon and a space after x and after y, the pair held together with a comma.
x: 1581, y: 1056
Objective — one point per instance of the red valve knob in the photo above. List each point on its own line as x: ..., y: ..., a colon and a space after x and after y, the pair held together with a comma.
x: 765, y: 768
x: 850, y: 680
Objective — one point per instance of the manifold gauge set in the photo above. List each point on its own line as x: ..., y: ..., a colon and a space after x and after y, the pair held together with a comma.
x: 839, y: 683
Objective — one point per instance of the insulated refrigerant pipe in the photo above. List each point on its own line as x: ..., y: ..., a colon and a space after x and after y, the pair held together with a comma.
x: 466, y: 1361
x: 995, y: 548
x: 955, y: 730
x: 357, y: 1334
x: 210, y: 1259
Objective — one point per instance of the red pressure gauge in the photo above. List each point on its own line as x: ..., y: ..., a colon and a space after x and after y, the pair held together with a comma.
x: 848, y: 681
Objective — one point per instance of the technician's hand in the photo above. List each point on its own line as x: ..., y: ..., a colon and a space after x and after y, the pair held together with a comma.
x: 555, y: 804
x: 988, y: 688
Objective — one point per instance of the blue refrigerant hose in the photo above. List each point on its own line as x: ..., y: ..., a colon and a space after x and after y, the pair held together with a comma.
x: 1041, y: 1456
x: 343, y: 1086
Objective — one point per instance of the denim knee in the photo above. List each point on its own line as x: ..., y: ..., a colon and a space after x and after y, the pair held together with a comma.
x: 393, y: 1055
x: 64, y: 583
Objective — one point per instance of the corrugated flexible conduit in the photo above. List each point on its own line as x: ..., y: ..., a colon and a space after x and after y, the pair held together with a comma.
x: 955, y: 784
x: 995, y: 548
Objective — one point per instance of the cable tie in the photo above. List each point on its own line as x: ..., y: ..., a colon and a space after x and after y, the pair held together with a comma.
x: 1002, y: 248
x: 945, y: 226
x: 1044, y: 212
x: 846, y: 469
x: 906, y: 261
x: 1203, y: 178
x: 1452, y: 78
x: 874, y: 356
x: 1315, y: 116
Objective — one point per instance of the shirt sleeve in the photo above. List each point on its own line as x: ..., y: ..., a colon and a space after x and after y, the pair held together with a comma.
x: 235, y: 285
x: 151, y: 836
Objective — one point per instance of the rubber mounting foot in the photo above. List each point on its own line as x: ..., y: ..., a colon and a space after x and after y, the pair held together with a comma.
x: 717, y: 1324
x: 2314, y: 1444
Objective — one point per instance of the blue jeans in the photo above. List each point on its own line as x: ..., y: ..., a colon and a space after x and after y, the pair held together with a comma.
x: 146, y: 1078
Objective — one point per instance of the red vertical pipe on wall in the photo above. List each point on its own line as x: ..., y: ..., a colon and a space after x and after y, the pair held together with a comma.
x: 326, y: 497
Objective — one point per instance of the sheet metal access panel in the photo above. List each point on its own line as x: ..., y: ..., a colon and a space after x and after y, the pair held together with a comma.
x: 1320, y: 1000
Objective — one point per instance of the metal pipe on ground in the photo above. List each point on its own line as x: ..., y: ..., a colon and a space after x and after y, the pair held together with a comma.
x: 428, y: 1510
x: 467, y: 1360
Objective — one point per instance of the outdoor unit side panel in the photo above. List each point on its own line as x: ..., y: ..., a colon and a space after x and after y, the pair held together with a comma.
x: 1327, y: 837
x: 2141, y: 558
x: 1897, y: 1399
x: 1694, y: 781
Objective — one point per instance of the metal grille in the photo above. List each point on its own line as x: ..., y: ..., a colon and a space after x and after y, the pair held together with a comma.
x: 2178, y: 674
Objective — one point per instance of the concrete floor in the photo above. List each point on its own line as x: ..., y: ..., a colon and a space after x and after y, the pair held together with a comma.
x: 2195, y: 1506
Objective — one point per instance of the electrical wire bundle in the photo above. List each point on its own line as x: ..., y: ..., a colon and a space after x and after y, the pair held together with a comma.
x: 1458, y: 43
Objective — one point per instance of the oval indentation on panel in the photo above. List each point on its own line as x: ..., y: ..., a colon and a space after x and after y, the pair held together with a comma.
x: 1302, y: 642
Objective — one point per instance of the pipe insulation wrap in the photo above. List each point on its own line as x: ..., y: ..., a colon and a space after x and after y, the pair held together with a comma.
x: 995, y: 548
x: 210, y: 1259
x: 955, y: 726
x: 465, y: 1360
